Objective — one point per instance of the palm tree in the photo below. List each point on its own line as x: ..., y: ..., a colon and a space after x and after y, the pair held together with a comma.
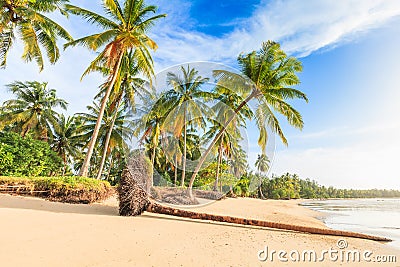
x: 117, y: 138
x: 270, y: 75
x: 32, y: 110
x: 27, y: 19
x: 224, y: 109
x: 125, y: 88
x: 188, y: 101
x: 151, y: 124
x: 262, y: 165
x: 125, y: 30
x: 66, y: 141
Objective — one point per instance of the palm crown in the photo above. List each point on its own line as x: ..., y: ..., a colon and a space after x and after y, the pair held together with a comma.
x: 27, y: 19
x: 33, y: 108
x: 124, y: 30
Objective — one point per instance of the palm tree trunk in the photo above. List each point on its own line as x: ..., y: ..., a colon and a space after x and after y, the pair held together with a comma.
x: 216, y: 138
x: 108, y: 137
x: 65, y: 164
x: 109, y: 169
x: 260, y: 188
x: 218, y: 167
x: 184, y: 149
x: 93, y: 139
x: 157, y: 208
x: 153, y: 158
x: 176, y: 170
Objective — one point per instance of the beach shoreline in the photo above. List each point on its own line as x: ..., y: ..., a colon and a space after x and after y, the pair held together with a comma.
x: 36, y: 232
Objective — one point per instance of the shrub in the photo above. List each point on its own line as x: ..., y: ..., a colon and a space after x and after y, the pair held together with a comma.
x: 27, y: 157
x: 70, y: 189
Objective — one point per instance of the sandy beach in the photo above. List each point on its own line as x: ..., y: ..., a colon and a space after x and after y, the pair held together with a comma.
x: 35, y: 232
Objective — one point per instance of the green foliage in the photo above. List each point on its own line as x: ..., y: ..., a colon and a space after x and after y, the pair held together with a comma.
x: 27, y: 157
x: 242, y: 187
x: 72, y: 189
x: 290, y: 186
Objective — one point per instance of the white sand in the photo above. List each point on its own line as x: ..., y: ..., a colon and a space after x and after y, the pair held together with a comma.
x: 34, y: 232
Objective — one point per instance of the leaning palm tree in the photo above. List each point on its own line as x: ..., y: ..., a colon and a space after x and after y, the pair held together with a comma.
x: 188, y: 98
x: 32, y: 110
x: 269, y: 76
x: 224, y: 109
x: 125, y: 88
x: 151, y: 127
x: 125, y: 30
x: 38, y: 32
x: 118, y: 137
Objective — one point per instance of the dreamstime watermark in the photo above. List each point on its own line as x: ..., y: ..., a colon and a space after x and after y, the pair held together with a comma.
x: 339, y: 254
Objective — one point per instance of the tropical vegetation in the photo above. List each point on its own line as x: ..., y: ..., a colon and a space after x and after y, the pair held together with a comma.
x: 191, y: 130
x: 70, y: 189
x: 27, y: 157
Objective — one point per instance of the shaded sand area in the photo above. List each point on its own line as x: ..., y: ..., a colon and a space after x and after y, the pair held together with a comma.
x: 35, y: 232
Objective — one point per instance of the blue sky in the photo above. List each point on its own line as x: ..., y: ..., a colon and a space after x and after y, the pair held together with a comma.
x: 349, y: 51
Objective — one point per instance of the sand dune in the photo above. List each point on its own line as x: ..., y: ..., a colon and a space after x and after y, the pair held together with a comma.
x: 35, y: 232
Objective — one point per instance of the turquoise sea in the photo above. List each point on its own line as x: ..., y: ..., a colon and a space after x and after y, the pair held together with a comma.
x: 371, y: 216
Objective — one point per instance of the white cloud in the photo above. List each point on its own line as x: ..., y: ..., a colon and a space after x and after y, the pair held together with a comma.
x: 63, y: 76
x: 369, y: 161
x: 301, y: 26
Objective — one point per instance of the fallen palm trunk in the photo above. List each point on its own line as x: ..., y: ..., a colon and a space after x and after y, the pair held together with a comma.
x: 134, y: 200
x: 157, y: 208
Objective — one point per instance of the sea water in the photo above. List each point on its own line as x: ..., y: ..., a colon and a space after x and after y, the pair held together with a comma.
x: 370, y: 216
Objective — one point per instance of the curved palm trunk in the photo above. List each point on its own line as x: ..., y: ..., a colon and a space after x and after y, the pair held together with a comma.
x: 108, y: 137
x: 85, y: 167
x: 184, y: 150
x: 216, y: 138
x: 218, y: 167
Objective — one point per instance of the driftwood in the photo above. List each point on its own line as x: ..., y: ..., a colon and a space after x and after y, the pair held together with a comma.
x: 134, y: 200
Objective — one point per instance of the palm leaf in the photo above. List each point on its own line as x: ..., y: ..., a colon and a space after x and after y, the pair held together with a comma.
x: 92, y: 17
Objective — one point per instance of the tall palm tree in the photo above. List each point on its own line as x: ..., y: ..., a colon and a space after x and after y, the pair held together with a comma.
x: 66, y: 140
x: 125, y: 30
x: 119, y: 136
x: 188, y: 102
x: 271, y: 74
x: 32, y: 110
x: 127, y: 85
x: 26, y: 19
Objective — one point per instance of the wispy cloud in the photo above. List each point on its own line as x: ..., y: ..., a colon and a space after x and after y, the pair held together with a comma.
x: 302, y: 27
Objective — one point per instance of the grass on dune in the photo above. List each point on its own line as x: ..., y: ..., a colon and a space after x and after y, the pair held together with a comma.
x: 71, y: 189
